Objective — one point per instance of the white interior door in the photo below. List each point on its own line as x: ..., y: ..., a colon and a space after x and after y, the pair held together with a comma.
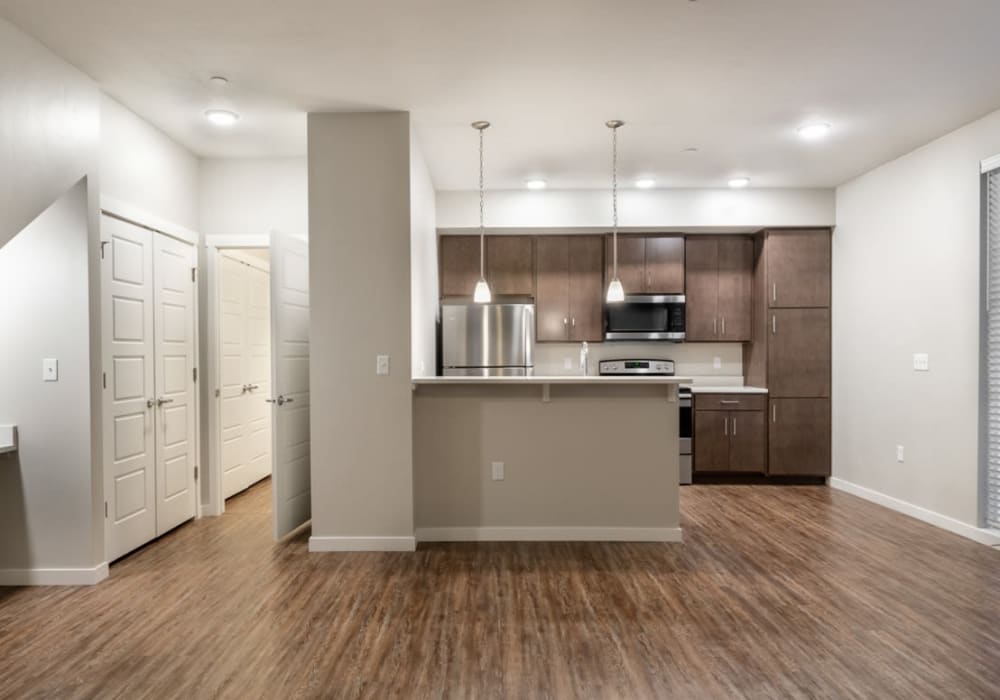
x: 290, y: 382
x: 258, y: 334
x: 174, y: 321
x: 129, y: 443
x: 232, y: 389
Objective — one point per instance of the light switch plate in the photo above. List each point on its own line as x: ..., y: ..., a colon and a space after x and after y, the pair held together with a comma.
x: 497, y: 471
x: 50, y: 370
x: 921, y: 362
x: 382, y: 364
x: 899, y: 453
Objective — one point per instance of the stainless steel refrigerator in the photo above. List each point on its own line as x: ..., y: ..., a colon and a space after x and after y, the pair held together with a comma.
x: 487, y: 340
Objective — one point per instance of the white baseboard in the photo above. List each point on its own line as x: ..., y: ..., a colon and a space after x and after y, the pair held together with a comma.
x: 54, y: 577
x: 549, y: 534
x: 210, y: 510
x: 981, y: 535
x: 362, y: 544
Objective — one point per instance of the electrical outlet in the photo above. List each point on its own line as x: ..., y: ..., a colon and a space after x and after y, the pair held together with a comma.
x: 899, y: 453
x: 497, y: 471
x: 382, y: 364
x: 921, y: 362
x: 716, y: 363
x: 567, y: 363
x: 50, y: 370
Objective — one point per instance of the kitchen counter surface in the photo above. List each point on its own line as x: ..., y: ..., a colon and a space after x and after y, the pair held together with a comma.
x: 552, y: 379
x: 702, y: 389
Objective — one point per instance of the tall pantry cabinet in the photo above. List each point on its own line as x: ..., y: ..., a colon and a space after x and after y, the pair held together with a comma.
x: 790, y: 353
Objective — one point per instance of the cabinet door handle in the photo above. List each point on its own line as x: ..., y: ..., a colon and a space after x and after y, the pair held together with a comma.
x: 572, y: 322
x: 725, y: 427
x: 774, y: 291
x: 734, y: 426
x: 723, y: 326
x: 774, y: 324
x: 729, y: 401
x: 565, y: 320
x: 715, y: 326
x: 774, y: 413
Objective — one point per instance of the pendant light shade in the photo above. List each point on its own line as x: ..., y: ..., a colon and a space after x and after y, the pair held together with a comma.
x: 616, y: 292
x: 482, y: 294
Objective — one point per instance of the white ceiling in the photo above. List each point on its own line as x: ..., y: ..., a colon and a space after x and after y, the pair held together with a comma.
x: 730, y: 77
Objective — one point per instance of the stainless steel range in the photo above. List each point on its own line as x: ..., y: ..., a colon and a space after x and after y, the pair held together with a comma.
x: 662, y: 368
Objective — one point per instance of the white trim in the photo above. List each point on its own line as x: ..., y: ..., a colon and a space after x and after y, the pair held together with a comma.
x: 362, y: 544
x: 139, y: 217
x: 54, y: 577
x: 241, y: 256
x: 248, y: 240
x: 549, y: 534
x: 978, y: 534
x: 989, y: 164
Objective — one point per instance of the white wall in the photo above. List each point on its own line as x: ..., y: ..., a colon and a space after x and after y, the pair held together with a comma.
x: 143, y: 167
x: 253, y: 196
x: 359, y: 272
x: 680, y: 209
x: 423, y: 266
x: 49, y: 129
x: 690, y: 359
x: 47, y: 486
x: 906, y: 256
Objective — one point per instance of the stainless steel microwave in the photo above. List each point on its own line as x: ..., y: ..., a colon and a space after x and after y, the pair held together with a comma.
x: 645, y: 317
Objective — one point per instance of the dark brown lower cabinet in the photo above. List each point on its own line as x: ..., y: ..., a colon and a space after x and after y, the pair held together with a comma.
x: 799, y: 437
x: 729, y: 441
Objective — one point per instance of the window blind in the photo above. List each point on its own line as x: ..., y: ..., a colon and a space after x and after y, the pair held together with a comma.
x: 993, y: 348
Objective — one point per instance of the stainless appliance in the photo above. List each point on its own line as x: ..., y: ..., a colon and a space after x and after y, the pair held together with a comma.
x: 645, y: 317
x: 487, y: 340
x: 662, y: 368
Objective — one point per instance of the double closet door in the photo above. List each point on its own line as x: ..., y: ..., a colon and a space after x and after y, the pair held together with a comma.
x: 150, y: 383
x: 245, y: 415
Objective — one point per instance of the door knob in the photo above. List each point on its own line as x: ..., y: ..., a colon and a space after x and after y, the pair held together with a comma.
x: 281, y: 400
x: 251, y: 387
x: 150, y: 403
x: 161, y: 401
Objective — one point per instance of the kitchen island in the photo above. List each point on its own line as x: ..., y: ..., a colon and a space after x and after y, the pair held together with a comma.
x: 546, y: 458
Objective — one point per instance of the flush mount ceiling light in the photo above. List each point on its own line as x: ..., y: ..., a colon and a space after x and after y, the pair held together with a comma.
x: 813, y: 131
x: 645, y: 183
x: 739, y: 182
x: 221, y: 117
x: 616, y: 293
x: 535, y: 184
x: 482, y: 294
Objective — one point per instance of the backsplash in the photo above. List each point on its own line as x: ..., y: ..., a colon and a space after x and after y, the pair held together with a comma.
x: 691, y: 359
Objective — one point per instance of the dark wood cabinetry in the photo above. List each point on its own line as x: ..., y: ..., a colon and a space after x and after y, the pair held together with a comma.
x: 798, y: 353
x: 649, y: 264
x: 798, y: 269
x: 510, y: 265
x: 719, y: 274
x: 729, y: 433
x: 799, y: 437
x: 570, y: 289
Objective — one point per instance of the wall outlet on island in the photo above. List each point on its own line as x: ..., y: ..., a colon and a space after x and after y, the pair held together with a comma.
x: 899, y: 453
x: 382, y: 365
x: 716, y: 363
x: 497, y: 471
x: 567, y: 363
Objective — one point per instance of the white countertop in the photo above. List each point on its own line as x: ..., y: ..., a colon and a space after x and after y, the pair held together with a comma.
x: 712, y: 389
x: 8, y: 438
x: 560, y: 379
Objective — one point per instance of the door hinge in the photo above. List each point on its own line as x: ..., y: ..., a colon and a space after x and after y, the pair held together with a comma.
x: 196, y: 472
x: 105, y: 509
x: 104, y: 379
x: 194, y: 270
x: 194, y: 374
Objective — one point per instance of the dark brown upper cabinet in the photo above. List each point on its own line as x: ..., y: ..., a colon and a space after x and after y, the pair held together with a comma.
x: 719, y: 286
x: 798, y: 269
x: 570, y: 289
x: 459, y: 266
x: 798, y: 353
x: 510, y: 265
x: 649, y: 264
x: 799, y: 437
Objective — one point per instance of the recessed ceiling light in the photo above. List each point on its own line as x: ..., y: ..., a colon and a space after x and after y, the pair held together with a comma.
x: 222, y: 117
x: 813, y: 131
x: 535, y: 184
x: 738, y: 182
x: 645, y: 183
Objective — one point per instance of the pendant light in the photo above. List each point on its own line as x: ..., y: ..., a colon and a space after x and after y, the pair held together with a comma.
x: 616, y: 293
x: 482, y: 293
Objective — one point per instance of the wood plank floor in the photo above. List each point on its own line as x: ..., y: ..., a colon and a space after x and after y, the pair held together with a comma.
x: 776, y: 592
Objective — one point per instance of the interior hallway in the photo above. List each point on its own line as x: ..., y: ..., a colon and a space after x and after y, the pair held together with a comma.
x: 790, y: 592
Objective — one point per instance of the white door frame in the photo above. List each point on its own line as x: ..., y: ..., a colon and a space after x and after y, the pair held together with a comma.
x: 216, y: 504
x: 139, y: 217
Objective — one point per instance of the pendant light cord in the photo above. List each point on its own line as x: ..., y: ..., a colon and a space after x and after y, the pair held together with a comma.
x: 482, y: 212
x: 614, y: 199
